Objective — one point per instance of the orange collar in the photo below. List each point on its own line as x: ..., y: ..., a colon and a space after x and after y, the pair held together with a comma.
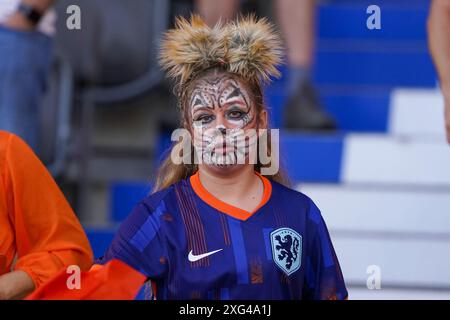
x: 224, y: 207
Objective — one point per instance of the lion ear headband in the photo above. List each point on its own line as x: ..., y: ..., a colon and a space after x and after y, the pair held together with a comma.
x: 248, y: 47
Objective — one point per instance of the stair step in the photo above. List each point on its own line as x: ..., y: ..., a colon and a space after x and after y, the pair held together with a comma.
x: 125, y: 195
x: 355, y: 110
x: 100, y: 239
x: 375, y: 68
x: 312, y: 157
x: 378, y: 159
x: 397, y: 293
x: 402, y: 262
x: 399, y: 20
x: 383, y: 209
x: 417, y: 113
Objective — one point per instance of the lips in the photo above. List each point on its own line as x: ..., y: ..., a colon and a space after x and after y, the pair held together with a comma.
x: 222, y: 149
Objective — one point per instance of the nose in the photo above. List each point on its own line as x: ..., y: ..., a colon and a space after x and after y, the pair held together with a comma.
x: 221, y: 124
x: 221, y: 128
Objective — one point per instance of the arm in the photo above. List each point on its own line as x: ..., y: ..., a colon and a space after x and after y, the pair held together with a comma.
x: 48, y: 236
x: 439, y: 43
x: 140, y: 242
x: 326, y: 281
x: 15, y: 285
x: 19, y: 22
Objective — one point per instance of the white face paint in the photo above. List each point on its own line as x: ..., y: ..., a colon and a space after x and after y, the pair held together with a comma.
x: 222, y: 116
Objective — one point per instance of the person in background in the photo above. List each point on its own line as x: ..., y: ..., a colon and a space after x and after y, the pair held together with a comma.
x: 439, y: 43
x: 26, y: 29
x: 39, y: 233
x: 303, y: 110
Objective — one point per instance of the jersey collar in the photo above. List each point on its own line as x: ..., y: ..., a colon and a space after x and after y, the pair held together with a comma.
x: 224, y: 207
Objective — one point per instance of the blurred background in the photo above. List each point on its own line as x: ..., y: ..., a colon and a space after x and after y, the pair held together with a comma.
x: 372, y: 155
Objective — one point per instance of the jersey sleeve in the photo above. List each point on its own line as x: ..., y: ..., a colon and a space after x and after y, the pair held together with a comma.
x: 140, y: 242
x: 324, y: 279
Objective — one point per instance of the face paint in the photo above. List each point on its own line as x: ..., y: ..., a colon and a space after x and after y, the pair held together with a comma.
x: 224, y: 97
x: 223, y: 94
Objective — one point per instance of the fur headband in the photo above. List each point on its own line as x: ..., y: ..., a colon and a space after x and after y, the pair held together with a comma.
x: 248, y: 47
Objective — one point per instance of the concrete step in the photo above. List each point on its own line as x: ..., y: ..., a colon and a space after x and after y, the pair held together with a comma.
x: 417, y: 113
x: 378, y: 159
x: 388, y: 211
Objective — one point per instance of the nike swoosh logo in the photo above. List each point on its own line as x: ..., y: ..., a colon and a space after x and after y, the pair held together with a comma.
x: 192, y: 257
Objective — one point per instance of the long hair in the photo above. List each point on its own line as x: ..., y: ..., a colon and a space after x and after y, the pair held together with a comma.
x: 170, y: 173
x: 248, y: 49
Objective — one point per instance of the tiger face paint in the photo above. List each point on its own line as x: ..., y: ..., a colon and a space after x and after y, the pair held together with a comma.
x: 222, y: 115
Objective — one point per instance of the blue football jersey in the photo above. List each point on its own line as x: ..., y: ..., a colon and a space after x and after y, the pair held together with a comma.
x: 191, y: 245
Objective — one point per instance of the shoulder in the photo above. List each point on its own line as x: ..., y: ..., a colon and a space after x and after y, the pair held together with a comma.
x: 290, y: 195
x: 297, y: 199
x: 5, y: 142
x: 9, y: 140
x: 5, y: 137
x: 157, y: 199
x: 154, y: 205
x: 19, y: 160
x: 13, y: 148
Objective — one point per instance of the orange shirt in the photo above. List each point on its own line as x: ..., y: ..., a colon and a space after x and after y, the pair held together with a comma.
x: 36, y: 223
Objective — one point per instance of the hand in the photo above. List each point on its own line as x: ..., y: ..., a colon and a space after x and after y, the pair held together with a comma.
x: 18, y: 22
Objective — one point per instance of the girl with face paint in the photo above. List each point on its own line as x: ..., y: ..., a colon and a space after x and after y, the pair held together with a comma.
x: 216, y: 226
x: 222, y: 111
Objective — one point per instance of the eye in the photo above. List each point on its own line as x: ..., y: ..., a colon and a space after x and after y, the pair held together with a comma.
x: 236, y: 114
x: 205, y: 118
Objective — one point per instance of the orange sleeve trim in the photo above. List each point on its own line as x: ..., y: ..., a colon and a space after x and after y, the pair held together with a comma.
x: 224, y: 207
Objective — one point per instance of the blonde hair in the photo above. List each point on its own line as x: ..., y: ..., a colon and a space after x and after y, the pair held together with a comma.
x: 247, y: 49
x: 170, y: 173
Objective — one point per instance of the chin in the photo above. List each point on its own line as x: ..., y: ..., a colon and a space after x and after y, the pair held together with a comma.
x: 225, y: 169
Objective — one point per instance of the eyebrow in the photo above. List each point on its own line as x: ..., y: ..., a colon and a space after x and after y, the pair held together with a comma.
x: 200, y: 108
x: 236, y: 102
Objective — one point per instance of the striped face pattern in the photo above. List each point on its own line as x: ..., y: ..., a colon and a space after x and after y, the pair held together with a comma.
x: 223, y: 116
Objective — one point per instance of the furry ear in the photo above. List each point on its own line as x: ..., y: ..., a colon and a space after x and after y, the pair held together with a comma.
x: 248, y: 47
x: 255, y: 49
x: 191, y: 47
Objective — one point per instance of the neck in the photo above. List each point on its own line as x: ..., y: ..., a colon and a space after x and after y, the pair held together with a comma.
x: 230, y: 183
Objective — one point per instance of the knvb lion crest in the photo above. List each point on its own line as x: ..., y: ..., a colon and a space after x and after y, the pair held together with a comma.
x: 286, y: 249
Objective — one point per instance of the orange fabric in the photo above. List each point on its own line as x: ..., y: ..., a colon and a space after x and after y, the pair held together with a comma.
x: 2, y: 264
x: 154, y: 289
x: 36, y: 223
x: 224, y: 207
x: 113, y: 281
